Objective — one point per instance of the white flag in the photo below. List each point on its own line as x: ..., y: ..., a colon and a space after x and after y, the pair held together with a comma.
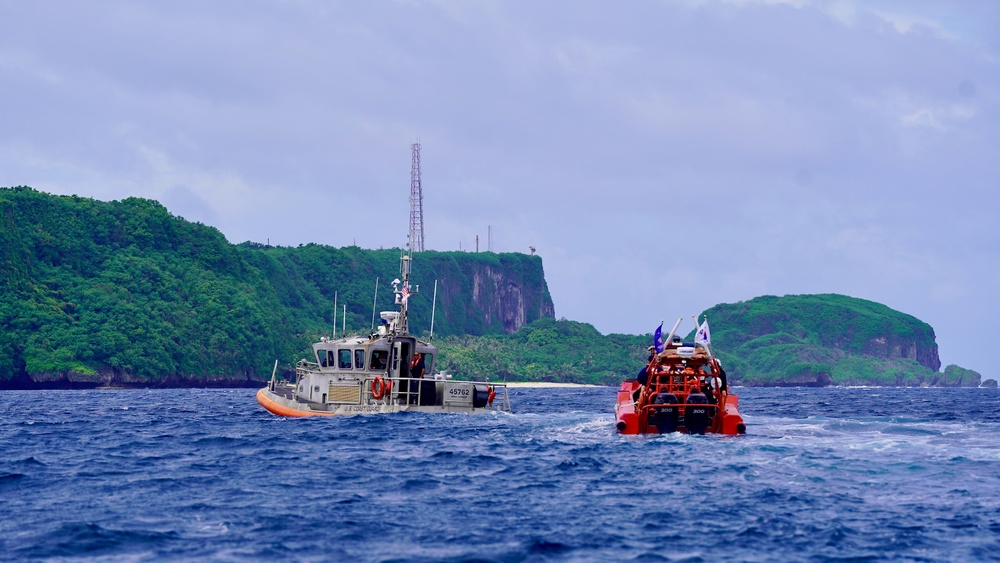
x: 703, y: 336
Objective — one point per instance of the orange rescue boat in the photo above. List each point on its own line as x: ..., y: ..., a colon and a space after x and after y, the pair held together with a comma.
x: 682, y: 389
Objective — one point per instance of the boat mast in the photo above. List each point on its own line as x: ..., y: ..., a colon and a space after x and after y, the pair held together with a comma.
x: 404, y: 323
x: 403, y: 291
x: 434, y: 307
x: 374, y: 302
x: 670, y: 337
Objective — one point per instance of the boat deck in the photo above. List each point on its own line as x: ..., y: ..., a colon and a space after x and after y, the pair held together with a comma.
x: 285, y: 390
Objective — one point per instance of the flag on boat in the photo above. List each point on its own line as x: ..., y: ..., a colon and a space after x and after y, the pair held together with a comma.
x: 405, y: 292
x: 703, y: 336
x: 658, y: 338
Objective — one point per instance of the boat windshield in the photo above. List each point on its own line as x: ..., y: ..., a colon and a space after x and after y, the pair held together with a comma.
x: 359, y: 359
x: 325, y: 357
x: 344, y: 358
x: 380, y: 358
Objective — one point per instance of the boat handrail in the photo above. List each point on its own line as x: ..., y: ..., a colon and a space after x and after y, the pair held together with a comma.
x: 500, y: 403
x: 648, y: 406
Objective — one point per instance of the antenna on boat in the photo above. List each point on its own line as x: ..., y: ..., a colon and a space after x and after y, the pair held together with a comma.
x: 670, y: 338
x: 374, y: 302
x: 344, y: 329
x: 335, y: 314
x: 433, y: 307
x: 403, y: 291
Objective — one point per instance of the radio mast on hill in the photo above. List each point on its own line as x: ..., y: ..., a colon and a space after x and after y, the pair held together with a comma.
x: 416, y: 203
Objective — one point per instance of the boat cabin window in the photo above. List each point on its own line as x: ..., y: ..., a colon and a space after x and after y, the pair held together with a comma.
x: 359, y: 359
x: 380, y: 358
x: 325, y: 357
x: 344, y: 360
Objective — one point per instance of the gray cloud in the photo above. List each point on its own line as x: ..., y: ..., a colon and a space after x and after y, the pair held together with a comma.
x: 662, y: 157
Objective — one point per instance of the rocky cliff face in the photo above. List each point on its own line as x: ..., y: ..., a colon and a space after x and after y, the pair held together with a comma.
x: 891, y: 347
x: 488, y: 293
x: 507, y: 300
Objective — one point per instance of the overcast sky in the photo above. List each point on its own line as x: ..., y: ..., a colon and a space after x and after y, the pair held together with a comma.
x: 662, y: 156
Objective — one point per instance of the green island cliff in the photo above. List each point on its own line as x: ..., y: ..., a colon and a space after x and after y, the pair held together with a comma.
x: 828, y: 339
x: 124, y: 293
x: 795, y: 340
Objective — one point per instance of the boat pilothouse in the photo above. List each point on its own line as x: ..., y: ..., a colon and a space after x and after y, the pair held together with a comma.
x: 389, y: 370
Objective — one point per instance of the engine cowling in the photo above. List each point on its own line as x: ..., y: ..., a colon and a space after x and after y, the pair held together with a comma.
x: 665, y: 418
x: 696, y: 413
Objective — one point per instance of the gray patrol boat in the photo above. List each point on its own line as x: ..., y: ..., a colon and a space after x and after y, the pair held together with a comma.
x: 386, y: 371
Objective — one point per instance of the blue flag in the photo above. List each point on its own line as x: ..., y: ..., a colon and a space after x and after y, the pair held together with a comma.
x: 658, y: 339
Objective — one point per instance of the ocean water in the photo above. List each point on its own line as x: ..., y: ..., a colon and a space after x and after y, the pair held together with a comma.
x: 822, y: 475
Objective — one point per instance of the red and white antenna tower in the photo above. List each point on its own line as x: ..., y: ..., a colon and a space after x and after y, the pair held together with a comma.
x: 416, y: 203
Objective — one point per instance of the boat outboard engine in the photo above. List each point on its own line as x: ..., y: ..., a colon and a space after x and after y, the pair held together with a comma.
x: 665, y: 418
x: 696, y: 415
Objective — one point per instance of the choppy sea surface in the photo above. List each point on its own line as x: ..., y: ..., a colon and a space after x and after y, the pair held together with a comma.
x: 822, y: 475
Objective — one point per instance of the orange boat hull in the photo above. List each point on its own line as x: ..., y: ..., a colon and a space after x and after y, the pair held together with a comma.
x: 281, y: 410
x: 628, y: 419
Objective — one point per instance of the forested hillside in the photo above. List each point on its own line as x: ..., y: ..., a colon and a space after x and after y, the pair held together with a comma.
x: 800, y: 340
x: 823, y: 340
x: 124, y: 292
x: 547, y: 350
